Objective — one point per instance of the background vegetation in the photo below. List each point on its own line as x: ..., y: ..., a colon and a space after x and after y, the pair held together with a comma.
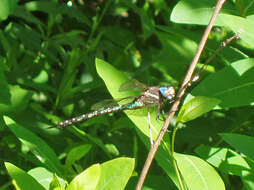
x: 58, y: 58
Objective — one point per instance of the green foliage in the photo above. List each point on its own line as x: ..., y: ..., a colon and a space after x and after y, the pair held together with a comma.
x: 58, y: 58
x: 196, y: 107
x: 22, y: 179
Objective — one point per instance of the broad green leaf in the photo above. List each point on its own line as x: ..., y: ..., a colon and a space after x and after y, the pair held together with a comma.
x: 226, y: 160
x: 243, y: 25
x: 21, y: 178
x: 45, y: 177
x: 6, y: 8
x: 19, y: 100
x: 213, y: 155
x: 76, y: 153
x: 233, y: 85
x: 196, y: 107
x: 87, y: 180
x: 198, y: 174
x: 248, y: 177
x: 242, y: 143
x: 36, y: 145
x: 55, y: 184
x: 199, y: 12
x: 115, y: 173
x: 236, y: 165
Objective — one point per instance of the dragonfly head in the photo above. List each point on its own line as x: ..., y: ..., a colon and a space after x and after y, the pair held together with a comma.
x: 167, y: 92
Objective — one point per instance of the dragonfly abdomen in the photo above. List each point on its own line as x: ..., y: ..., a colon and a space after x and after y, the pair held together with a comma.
x: 133, y: 105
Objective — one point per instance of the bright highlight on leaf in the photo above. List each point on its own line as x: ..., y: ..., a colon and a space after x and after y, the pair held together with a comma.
x: 246, y: 145
x: 21, y: 178
x: 198, y: 174
x: 196, y: 107
x: 111, y: 175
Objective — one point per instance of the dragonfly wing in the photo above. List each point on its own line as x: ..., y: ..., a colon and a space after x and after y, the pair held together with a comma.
x: 110, y: 103
x: 132, y: 85
x: 104, y: 104
x: 142, y: 111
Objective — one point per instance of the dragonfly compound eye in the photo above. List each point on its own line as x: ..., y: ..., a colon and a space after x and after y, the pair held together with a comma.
x: 167, y: 92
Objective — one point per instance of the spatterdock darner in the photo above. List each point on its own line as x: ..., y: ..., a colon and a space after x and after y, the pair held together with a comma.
x: 151, y: 96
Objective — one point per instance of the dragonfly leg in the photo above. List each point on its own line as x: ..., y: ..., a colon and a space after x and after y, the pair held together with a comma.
x: 158, y: 111
x: 163, y: 115
x: 150, y: 131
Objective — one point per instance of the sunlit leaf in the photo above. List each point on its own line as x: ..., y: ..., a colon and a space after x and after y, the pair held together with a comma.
x: 196, y: 107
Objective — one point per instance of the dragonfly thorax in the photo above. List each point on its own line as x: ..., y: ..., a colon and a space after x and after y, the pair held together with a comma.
x: 167, y: 92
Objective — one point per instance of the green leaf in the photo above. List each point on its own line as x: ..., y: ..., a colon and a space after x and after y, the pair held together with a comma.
x: 233, y: 85
x: 76, y: 153
x: 55, y: 184
x: 243, y: 25
x: 45, y: 177
x: 242, y: 143
x: 115, y: 173
x: 19, y: 100
x: 21, y: 178
x: 87, y: 180
x: 6, y: 8
x: 196, y: 107
x: 199, y: 12
x: 36, y: 145
x: 226, y: 160
x: 198, y: 174
x: 236, y: 165
x: 213, y: 155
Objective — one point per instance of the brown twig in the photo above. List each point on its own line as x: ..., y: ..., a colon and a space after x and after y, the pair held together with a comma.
x: 179, y: 96
x: 223, y: 45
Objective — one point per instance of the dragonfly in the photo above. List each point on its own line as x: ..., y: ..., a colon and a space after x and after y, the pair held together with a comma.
x: 150, y: 96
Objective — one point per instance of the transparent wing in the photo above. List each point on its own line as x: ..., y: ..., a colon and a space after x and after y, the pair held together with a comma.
x: 110, y: 103
x: 138, y: 112
x: 132, y: 85
x: 142, y: 111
